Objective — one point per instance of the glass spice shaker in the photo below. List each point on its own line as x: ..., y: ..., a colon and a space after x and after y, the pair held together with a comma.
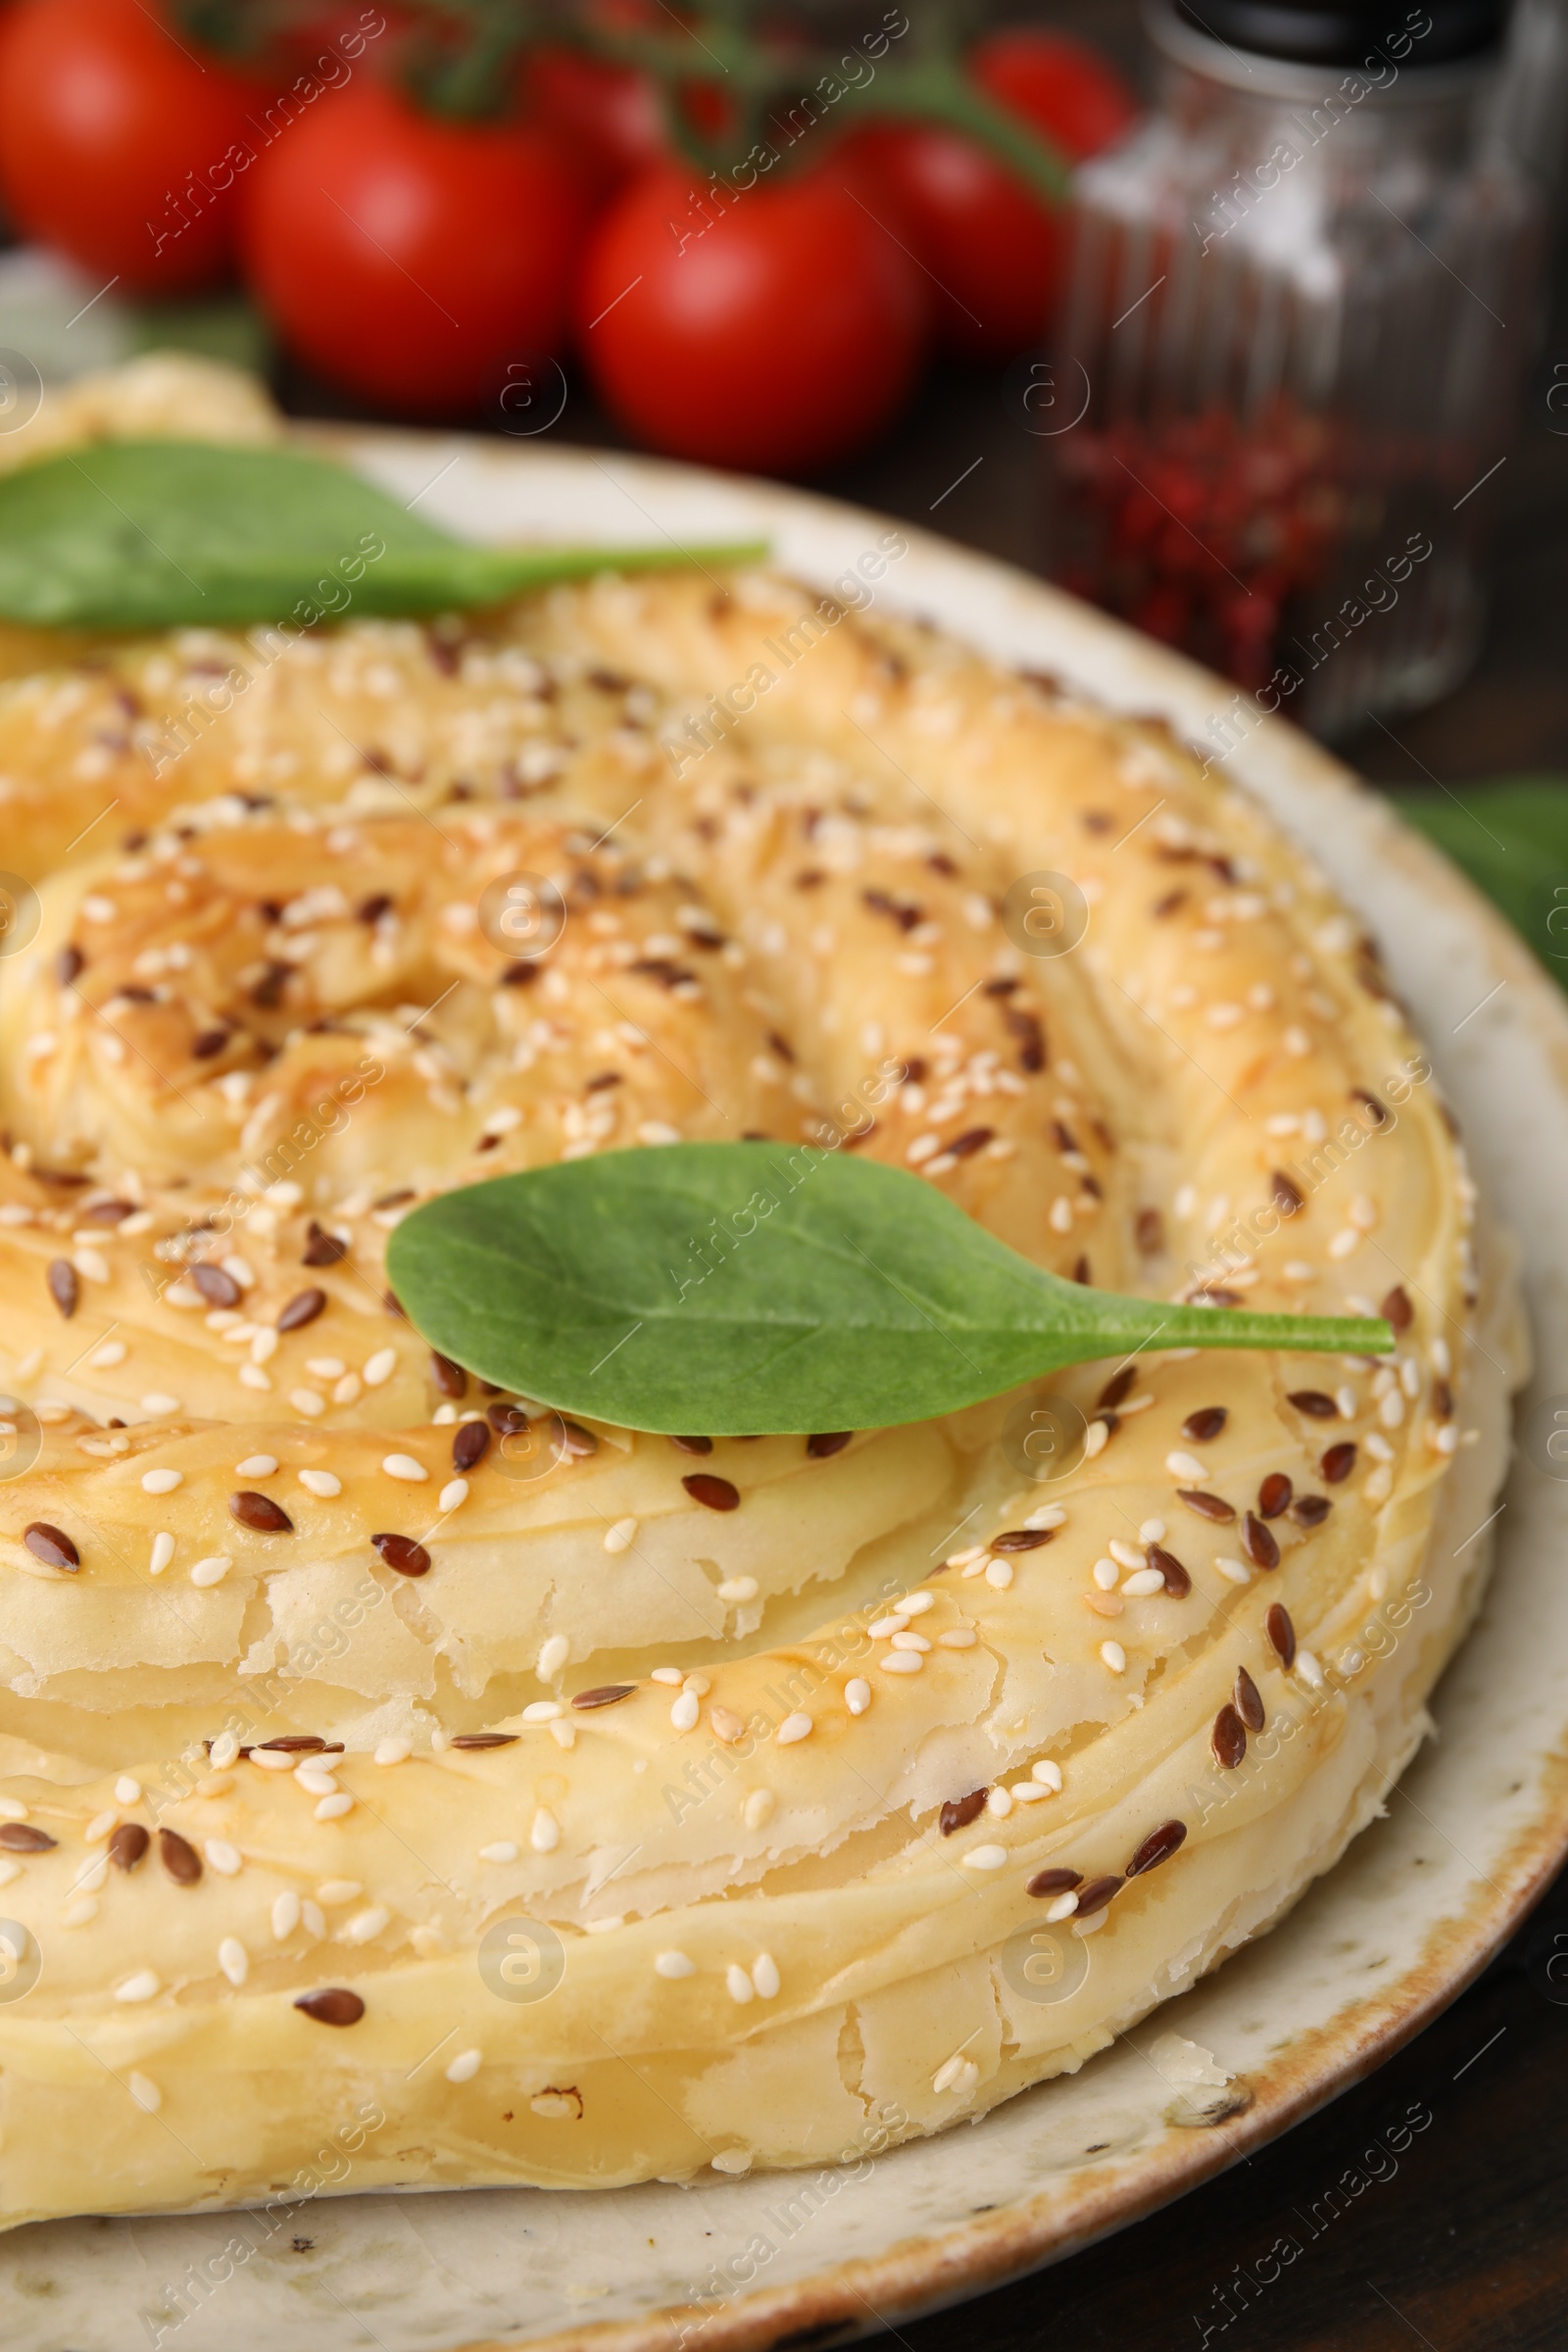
x: 1300, y: 306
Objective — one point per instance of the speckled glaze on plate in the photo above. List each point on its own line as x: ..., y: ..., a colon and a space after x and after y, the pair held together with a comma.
x: 1375, y: 1949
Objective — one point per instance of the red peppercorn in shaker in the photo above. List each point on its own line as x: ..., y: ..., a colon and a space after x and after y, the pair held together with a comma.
x: 1300, y: 305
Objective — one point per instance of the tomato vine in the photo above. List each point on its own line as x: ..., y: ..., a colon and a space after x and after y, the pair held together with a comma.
x: 729, y: 73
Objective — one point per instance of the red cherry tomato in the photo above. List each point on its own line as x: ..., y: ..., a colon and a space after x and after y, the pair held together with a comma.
x: 610, y: 114
x: 779, y: 337
x: 114, y: 136
x: 403, y: 257
x: 989, y: 247
x: 1068, y: 91
x: 993, y: 251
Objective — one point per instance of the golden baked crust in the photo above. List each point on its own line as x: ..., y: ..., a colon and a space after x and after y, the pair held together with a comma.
x: 765, y: 1922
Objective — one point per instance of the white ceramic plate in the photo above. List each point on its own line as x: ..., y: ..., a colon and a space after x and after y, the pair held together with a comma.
x: 1374, y: 1951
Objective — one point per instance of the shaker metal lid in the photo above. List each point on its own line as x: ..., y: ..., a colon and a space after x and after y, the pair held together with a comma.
x: 1345, y: 32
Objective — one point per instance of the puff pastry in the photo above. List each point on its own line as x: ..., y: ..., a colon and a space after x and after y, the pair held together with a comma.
x: 588, y: 1807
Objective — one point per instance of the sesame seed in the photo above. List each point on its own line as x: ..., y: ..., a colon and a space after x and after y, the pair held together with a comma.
x: 314, y: 1780
x: 323, y: 1484
x: 161, y: 1481
x: 379, y: 1368
x: 144, y: 1986
x: 365, y: 1925
x: 1185, y: 1465
x: 543, y: 1710
x: 1143, y: 1582
x: 1106, y: 1575
x: 621, y: 1536
x: 544, y: 1835
x: 793, y: 1728
x: 999, y: 1574
x: 959, y: 2074
x: 725, y: 1725
x: 162, y: 1552
x: 957, y: 1637
x: 553, y: 1655
x: 1114, y: 1657
x: 885, y: 1627
x: 226, y: 1859
x: 464, y: 2066
x: 858, y: 1694
x: 255, y: 1465
x: 211, y: 1571
x: 685, y: 1713
x: 985, y: 1857
x: 309, y: 1402
x: 1235, y: 1572
x: 404, y: 1466
x: 908, y: 1640
x: 901, y: 1661
x: 224, y: 1750
x: 758, y: 1810
x: 286, y: 1916
x: 737, y: 1588
x: 332, y: 1808
x: 965, y: 1559
x: 393, y: 1751
x: 673, y: 1965
x: 998, y: 1803
x: 127, y: 1791
x: 738, y: 1985
x: 233, y: 1960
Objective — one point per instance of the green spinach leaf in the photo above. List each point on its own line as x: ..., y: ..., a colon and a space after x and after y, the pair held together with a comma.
x: 167, y: 534
x: 731, y: 1289
x: 1511, y: 838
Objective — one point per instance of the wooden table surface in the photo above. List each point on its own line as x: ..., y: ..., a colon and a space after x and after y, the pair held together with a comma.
x: 1459, y: 2244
